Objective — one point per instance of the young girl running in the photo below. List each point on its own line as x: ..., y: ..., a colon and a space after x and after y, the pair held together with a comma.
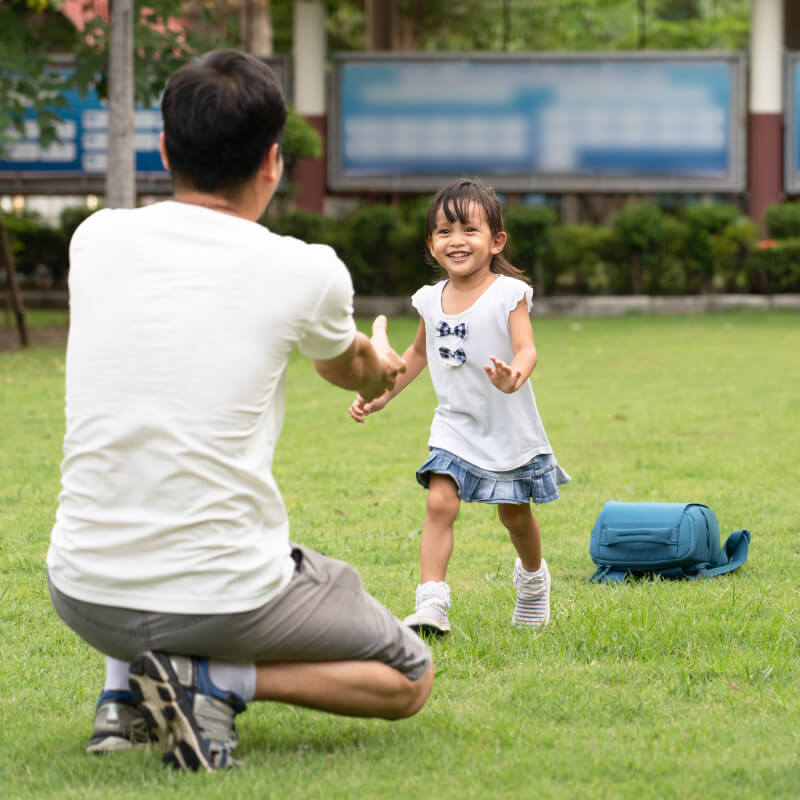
x: 487, y: 443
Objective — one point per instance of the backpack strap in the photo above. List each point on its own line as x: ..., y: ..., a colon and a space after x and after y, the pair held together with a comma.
x: 736, y: 549
x: 607, y: 574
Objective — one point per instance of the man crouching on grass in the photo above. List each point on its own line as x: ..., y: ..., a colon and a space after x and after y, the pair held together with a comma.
x: 170, y: 552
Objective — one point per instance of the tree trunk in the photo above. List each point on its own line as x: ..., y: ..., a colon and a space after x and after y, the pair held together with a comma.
x: 257, y: 27
x: 637, y: 275
x: 388, y: 29
x: 121, y: 170
x: 539, y: 277
x: 378, y: 19
x: 13, y: 286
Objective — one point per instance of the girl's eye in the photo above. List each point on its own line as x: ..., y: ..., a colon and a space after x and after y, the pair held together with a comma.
x: 443, y: 231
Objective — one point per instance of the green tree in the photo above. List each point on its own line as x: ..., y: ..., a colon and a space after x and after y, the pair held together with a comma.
x: 524, y: 25
x: 25, y: 81
x: 32, y: 32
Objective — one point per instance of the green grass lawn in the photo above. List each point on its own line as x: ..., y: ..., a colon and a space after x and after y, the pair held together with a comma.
x: 646, y: 690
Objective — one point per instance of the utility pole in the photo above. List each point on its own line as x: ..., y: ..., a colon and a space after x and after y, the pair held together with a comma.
x: 121, y: 168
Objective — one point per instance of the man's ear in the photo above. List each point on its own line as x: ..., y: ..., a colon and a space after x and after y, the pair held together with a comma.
x: 272, y: 166
x: 163, y: 148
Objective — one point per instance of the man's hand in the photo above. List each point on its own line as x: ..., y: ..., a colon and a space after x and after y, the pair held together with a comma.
x: 369, y: 366
x: 391, y: 362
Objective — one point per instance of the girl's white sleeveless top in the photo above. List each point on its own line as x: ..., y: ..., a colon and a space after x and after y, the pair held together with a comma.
x: 473, y: 419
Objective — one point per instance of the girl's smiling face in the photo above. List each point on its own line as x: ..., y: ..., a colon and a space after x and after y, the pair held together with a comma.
x: 465, y: 249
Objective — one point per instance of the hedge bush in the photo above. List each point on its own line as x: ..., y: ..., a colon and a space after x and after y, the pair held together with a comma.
x: 700, y: 248
x: 702, y: 222
x: 731, y: 252
x: 775, y: 268
x: 575, y: 261
x: 637, y: 248
x: 529, y: 229
x: 40, y: 251
x: 783, y: 220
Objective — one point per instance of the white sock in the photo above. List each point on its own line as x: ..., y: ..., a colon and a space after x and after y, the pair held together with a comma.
x: 435, y: 593
x: 239, y: 678
x: 535, y: 574
x: 117, y: 674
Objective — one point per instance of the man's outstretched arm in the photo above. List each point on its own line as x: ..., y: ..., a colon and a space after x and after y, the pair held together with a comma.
x: 369, y: 366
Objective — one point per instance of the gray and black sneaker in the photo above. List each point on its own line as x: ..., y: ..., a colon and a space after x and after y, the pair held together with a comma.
x: 192, y: 719
x: 118, y: 724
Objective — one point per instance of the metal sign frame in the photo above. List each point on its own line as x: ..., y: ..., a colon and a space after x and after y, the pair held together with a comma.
x: 791, y: 123
x: 521, y: 181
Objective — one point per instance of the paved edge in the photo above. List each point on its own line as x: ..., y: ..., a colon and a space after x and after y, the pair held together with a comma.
x: 555, y: 306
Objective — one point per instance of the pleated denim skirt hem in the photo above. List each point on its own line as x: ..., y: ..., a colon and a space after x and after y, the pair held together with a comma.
x: 538, y: 480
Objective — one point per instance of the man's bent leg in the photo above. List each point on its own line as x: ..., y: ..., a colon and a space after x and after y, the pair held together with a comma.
x: 322, y: 643
x: 351, y: 688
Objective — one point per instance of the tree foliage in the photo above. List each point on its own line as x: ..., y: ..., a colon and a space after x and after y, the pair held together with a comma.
x: 24, y: 80
x: 31, y: 31
x: 530, y: 25
x: 523, y: 25
x: 35, y: 36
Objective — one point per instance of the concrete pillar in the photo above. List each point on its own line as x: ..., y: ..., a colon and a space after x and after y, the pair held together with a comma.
x: 309, y: 53
x: 765, y: 107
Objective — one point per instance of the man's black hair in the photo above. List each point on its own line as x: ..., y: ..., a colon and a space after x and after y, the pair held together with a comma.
x: 222, y: 113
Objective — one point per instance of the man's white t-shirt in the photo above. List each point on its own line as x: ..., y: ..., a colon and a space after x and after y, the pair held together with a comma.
x: 475, y: 420
x: 182, y: 320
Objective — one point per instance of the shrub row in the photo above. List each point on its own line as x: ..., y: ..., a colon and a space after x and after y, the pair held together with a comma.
x: 644, y: 250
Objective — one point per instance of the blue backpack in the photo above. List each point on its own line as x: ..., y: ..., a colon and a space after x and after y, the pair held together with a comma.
x: 673, y: 540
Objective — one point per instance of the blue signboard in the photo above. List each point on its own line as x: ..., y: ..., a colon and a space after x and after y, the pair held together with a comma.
x: 82, y: 149
x: 594, y: 122
x: 792, y: 124
x: 83, y: 135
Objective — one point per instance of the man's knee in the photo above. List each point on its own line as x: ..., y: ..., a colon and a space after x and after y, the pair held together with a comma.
x: 414, y: 695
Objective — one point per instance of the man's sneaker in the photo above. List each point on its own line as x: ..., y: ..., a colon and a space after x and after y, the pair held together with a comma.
x: 532, y: 608
x: 192, y: 719
x: 118, y: 724
x: 430, y: 610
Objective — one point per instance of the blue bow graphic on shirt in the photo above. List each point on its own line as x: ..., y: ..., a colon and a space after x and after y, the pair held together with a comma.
x: 458, y: 355
x: 459, y: 329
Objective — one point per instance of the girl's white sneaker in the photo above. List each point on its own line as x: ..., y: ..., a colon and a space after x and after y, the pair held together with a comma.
x: 430, y: 610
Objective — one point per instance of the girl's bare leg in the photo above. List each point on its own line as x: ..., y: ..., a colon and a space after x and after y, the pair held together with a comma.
x: 523, y: 528
x: 436, y: 545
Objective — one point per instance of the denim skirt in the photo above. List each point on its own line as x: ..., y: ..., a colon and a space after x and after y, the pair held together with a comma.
x: 538, y: 480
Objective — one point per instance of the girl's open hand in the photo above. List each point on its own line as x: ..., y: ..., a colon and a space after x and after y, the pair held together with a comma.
x: 502, y: 376
x: 360, y: 408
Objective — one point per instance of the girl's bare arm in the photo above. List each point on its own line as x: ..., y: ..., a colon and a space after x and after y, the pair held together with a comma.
x: 509, y: 377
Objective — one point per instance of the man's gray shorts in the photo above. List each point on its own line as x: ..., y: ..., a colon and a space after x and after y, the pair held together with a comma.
x: 323, y: 614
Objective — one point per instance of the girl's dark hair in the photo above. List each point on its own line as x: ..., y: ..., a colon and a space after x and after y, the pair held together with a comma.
x: 222, y: 113
x: 454, y: 200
